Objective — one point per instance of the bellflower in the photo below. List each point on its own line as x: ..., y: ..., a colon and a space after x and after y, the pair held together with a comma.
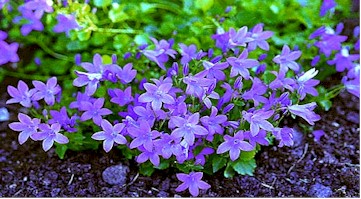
x: 305, y: 111
x: 33, y: 22
x: 94, y: 111
x: 63, y: 119
x: 282, y: 82
x: 152, y: 156
x: 49, y: 135
x: 20, y: 95
x: 193, y: 181
x: 127, y: 73
x: 46, y: 91
x: 160, y: 54
x: 121, y: 97
x: 214, y: 70
x: 284, y: 136
x: 330, y: 42
x: 222, y: 39
x: 306, y: 83
x: 8, y: 52
x: 260, y: 138
x: 287, y: 59
x: 188, y: 128
x: 3, y: 35
x: 157, y: 95
x: 238, y: 38
x: 241, y: 64
x: 256, y: 92
x: 258, y: 120
x: 110, y: 134
x: 188, y: 53
x: 259, y: 38
x: 38, y: 6
x: 352, y: 86
x: 143, y: 136
x: 146, y: 114
x: 2, y: 3
x: 168, y: 145
x: 326, y: 6
x: 196, y: 85
x: 27, y: 127
x: 66, y: 23
x: 200, y: 159
x: 344, y: 60
x: 80, y: 98
x: 234, y: 145
x: 213, y: 122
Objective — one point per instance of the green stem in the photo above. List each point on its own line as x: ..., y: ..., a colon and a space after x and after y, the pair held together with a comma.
x: 122, y: 31
x: 27, y: 76
x: 333, y: 92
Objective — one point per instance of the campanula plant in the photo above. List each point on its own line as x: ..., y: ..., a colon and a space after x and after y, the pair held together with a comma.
x: 201, y: 96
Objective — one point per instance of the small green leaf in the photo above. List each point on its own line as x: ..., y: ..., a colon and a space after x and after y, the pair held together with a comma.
x: 163, y: 165
x: 117, y: 14
x: 247, y: 155
x: 146, y: 169
x: 102, y: 3
x: 84, y: 35
x: 218, y: 162
x: 229, y: 172
x: 244, y: 167
x: 326, y: 104
x: 60, y: 150
x: 204, y: 4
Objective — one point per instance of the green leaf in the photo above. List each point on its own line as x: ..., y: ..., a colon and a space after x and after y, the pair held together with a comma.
x: 117, y: 14
x: 163, y: 165
x: 229, y: 172
x: 204, y: 4
x: 247, y: 155
x: 218, y: 162
x: 325, y: 104
x: 84, y: 35
x: 60, y: 150
x: 102, y: 3
x: 146, y: 169
x: 244, y: 167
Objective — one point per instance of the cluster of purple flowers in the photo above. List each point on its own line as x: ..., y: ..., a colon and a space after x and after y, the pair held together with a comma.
x: 8, y: 52
x: 195, y: 104
x: 329, y: 41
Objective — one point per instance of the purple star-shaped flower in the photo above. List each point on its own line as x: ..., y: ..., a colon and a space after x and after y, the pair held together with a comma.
x: 329, y: 42
x: 284, y: 136
x: 152, y: 155
x: 212, y: 70
x: 38, y: 6
x: 49, y: 135
x: 188, y: 128
x: 255, y: 93
x: 196, y: 85
x: 110, y: 134
x: 234, y: 145
x: 193, y: 181
x: 80, y: 98
x: 157, y: 95
x: 8, y: 52
x: 305, y: 83
x: 46, y: 91
x: 241, y: 64
x: 287, y: 59
x: 168, y: 145
x: 121, y: 97
x: 127, y: 73
x: 213, y: 122
x: 326, y: 6
x: 62, y: 118
x: 143, y: 136
x: 94, y: 111
x: 344, y: 60
x: 258, y: 120
x: 33, y: 22
x: 160, y: 54
x: 188, y: 53
x: 66, y: 23
x: 27, y: 127
x: 238, y: 38
x: 21, y: 95
x: 305, y: 111
x: 259, y: 38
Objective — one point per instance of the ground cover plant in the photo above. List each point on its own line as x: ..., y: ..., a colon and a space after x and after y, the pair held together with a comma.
x: 198, y: 86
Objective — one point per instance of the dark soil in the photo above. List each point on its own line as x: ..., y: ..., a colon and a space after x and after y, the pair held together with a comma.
x: 328, y: 168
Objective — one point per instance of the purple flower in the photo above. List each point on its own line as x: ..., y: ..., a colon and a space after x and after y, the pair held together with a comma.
x: 157, y: 95
x: 234, y: 145
x: 306, y: 83
x: 326, y: 6
x: 66, y: 23
x: 238, y: 38
x: 168, y: 145
x: 200, y: 159
x: 26, y: 126
x: 110, y: 134
x: 152, y: 155
x: 305, y: 111
x: 188, y: 53
x: 80, y: 98
x: 282, y: 82
x: 287, y: 59
x: 329, y: 42
x: 213, y: 122
x: 260, y: 138
x: 352, y: 86
x: 49, y: 134
x: 8, y: 52
x: 160, y: 54
x: 221, y: 38
x: 193, y: 181
x: 258, y: 120
x: 196, y: 85
x: 214, y: 70
x: 46, y: 91
x: 188, y: 128
x: 259, y: 38
x: 284, y: 136
x: 318, y: 134
x: 3, y: 34
x: 2, y: 3
x: 121, y: 97
x: 127, y: 73
x: 21, y: 95
x: 33, y: 22
x: 62, y: 118
x: 38, y: 6
x: 94, y: 111
x: 241, y: 64
x: 256, y: 92
x: 144, y: 136
x: 344, y: 60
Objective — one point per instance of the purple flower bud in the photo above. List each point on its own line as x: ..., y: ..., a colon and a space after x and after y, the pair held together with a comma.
x: 315, y: 60
x: 127, y: 55
x: 296, y: 48
x: 65, y: 3
x: 37, y: 61
x: 45, y: 113
x: 200, y: 55
x: 114, y: 59
x: 211, y: 88
x: 185, y: 69
x: 236, y: 52
x: 228, y: 9
x: 356, y: 31
x: 276, y: 117
x: 36, y: 104
x: 77, y: 59
x: 137, y: 56
x: 171, y: 42
x: 143, y: 46
x: 238, y: 85
x: 175, y: 67
x: 228, y: 108
x: 141, y: 86
x: 262, y: 57
x: 217, y: 59
x: 339, y: 28
x: 86, y: 1
x: 260, y: 69
x: 221, y: 20
x: 94, y: 10
x: 318, y: 134
x: 210, y: 52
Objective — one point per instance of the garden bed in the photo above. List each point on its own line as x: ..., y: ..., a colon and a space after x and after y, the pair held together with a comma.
x: 328, y: 168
